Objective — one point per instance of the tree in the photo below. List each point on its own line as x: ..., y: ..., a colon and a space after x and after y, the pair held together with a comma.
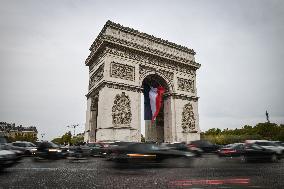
x: 66, y: 138
x: 58, y: 140
x: 268, y: 131
x: 77, y: 139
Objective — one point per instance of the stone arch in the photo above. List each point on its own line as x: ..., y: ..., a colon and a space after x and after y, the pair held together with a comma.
x: 155, y: 131
x: 147, y: 56
x: 167, y: 82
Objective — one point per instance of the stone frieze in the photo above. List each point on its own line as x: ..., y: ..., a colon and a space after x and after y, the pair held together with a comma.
x: 122, y: 71
x: 185, y: 85
x: 97, y: 76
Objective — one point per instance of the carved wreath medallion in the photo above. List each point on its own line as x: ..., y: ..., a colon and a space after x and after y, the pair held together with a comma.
x: 188, y: 119
x: 121, y: 111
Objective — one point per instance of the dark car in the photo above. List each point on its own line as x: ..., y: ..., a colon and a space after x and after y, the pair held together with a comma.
x: 96, y: 149
x: 254, y: 152
x: 248, y: 152
x: 79, y: 151
x: 111, y: 149
x: 48, y: 150
x: 184, y: 147
x: 143, y: 153
x: 204, y: 145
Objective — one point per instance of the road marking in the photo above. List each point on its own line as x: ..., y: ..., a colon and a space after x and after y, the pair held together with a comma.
x: 51, y: 169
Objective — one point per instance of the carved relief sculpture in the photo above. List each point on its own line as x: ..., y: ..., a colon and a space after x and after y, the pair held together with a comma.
x: 127, y: 52
x: 185, y: 85
x: 188, y: 119
x: 146, y: 58
x: 121, y: 111
x: 97, y: 76
x: 122, y: 71
x: 144, y: 70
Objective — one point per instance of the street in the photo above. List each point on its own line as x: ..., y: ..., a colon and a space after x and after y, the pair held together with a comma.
x: 207, y: 172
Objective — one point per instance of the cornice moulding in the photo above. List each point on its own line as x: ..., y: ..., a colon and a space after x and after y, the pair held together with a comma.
x: 143, y: 35
x: 115, y: 85
x: 133, y: 39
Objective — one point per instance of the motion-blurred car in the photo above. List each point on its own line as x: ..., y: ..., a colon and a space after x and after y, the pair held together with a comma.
x: 184, y: 147
x: 279, y: 143
x: 27, y: 147
x: 279, y: 150
x: 111, y: 149
x: 204, y: 145
x: 7, y: 146
x: 7, y: 158
x: 97, y: 149
x: 141, y: 153
x: 231, y: 150
x: 80, y: 151
x: 48, y: 150
x: 255, y: 152
x: 248, y: 152
x: 19, y: 153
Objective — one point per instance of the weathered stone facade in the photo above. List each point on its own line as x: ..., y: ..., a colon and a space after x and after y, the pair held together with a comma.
x: 120, y: 59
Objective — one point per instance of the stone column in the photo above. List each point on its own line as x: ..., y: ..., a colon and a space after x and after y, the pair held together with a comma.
x: 118, y: 115
x: 88, y: 121
x: 169, y: 119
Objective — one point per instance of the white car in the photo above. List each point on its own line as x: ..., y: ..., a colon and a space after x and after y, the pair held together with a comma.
x: 268, y: 145
x: 27, y: 147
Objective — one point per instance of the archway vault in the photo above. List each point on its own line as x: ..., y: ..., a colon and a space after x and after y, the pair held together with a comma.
x: 154, y: 131
x: 160, y: 78
x: 121, y: 59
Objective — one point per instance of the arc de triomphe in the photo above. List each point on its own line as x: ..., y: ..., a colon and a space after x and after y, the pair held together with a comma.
x: 121, y: 62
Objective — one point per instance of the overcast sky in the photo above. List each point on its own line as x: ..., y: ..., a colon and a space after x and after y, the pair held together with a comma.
x: 43, y: 46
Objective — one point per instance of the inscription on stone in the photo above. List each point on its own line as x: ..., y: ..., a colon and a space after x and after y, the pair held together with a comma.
x: 148, y: 44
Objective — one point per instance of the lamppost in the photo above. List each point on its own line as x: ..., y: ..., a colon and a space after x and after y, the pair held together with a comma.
x: 42, y: 135
x: 74, y: 127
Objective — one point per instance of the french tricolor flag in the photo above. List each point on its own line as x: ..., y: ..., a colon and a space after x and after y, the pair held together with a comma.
x: 152, y: 102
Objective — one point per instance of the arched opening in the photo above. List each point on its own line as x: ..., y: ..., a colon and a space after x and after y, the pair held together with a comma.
x: 93, y: 118
x: 153, y: 131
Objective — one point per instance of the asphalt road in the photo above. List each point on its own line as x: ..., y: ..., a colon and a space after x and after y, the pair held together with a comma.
x: 207, y: 172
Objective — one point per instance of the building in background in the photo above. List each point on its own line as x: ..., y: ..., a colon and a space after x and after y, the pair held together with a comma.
x: 18, y: 133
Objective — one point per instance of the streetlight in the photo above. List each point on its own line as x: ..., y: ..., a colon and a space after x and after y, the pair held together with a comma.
x: 42, y: 135
x: 73, y: 126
